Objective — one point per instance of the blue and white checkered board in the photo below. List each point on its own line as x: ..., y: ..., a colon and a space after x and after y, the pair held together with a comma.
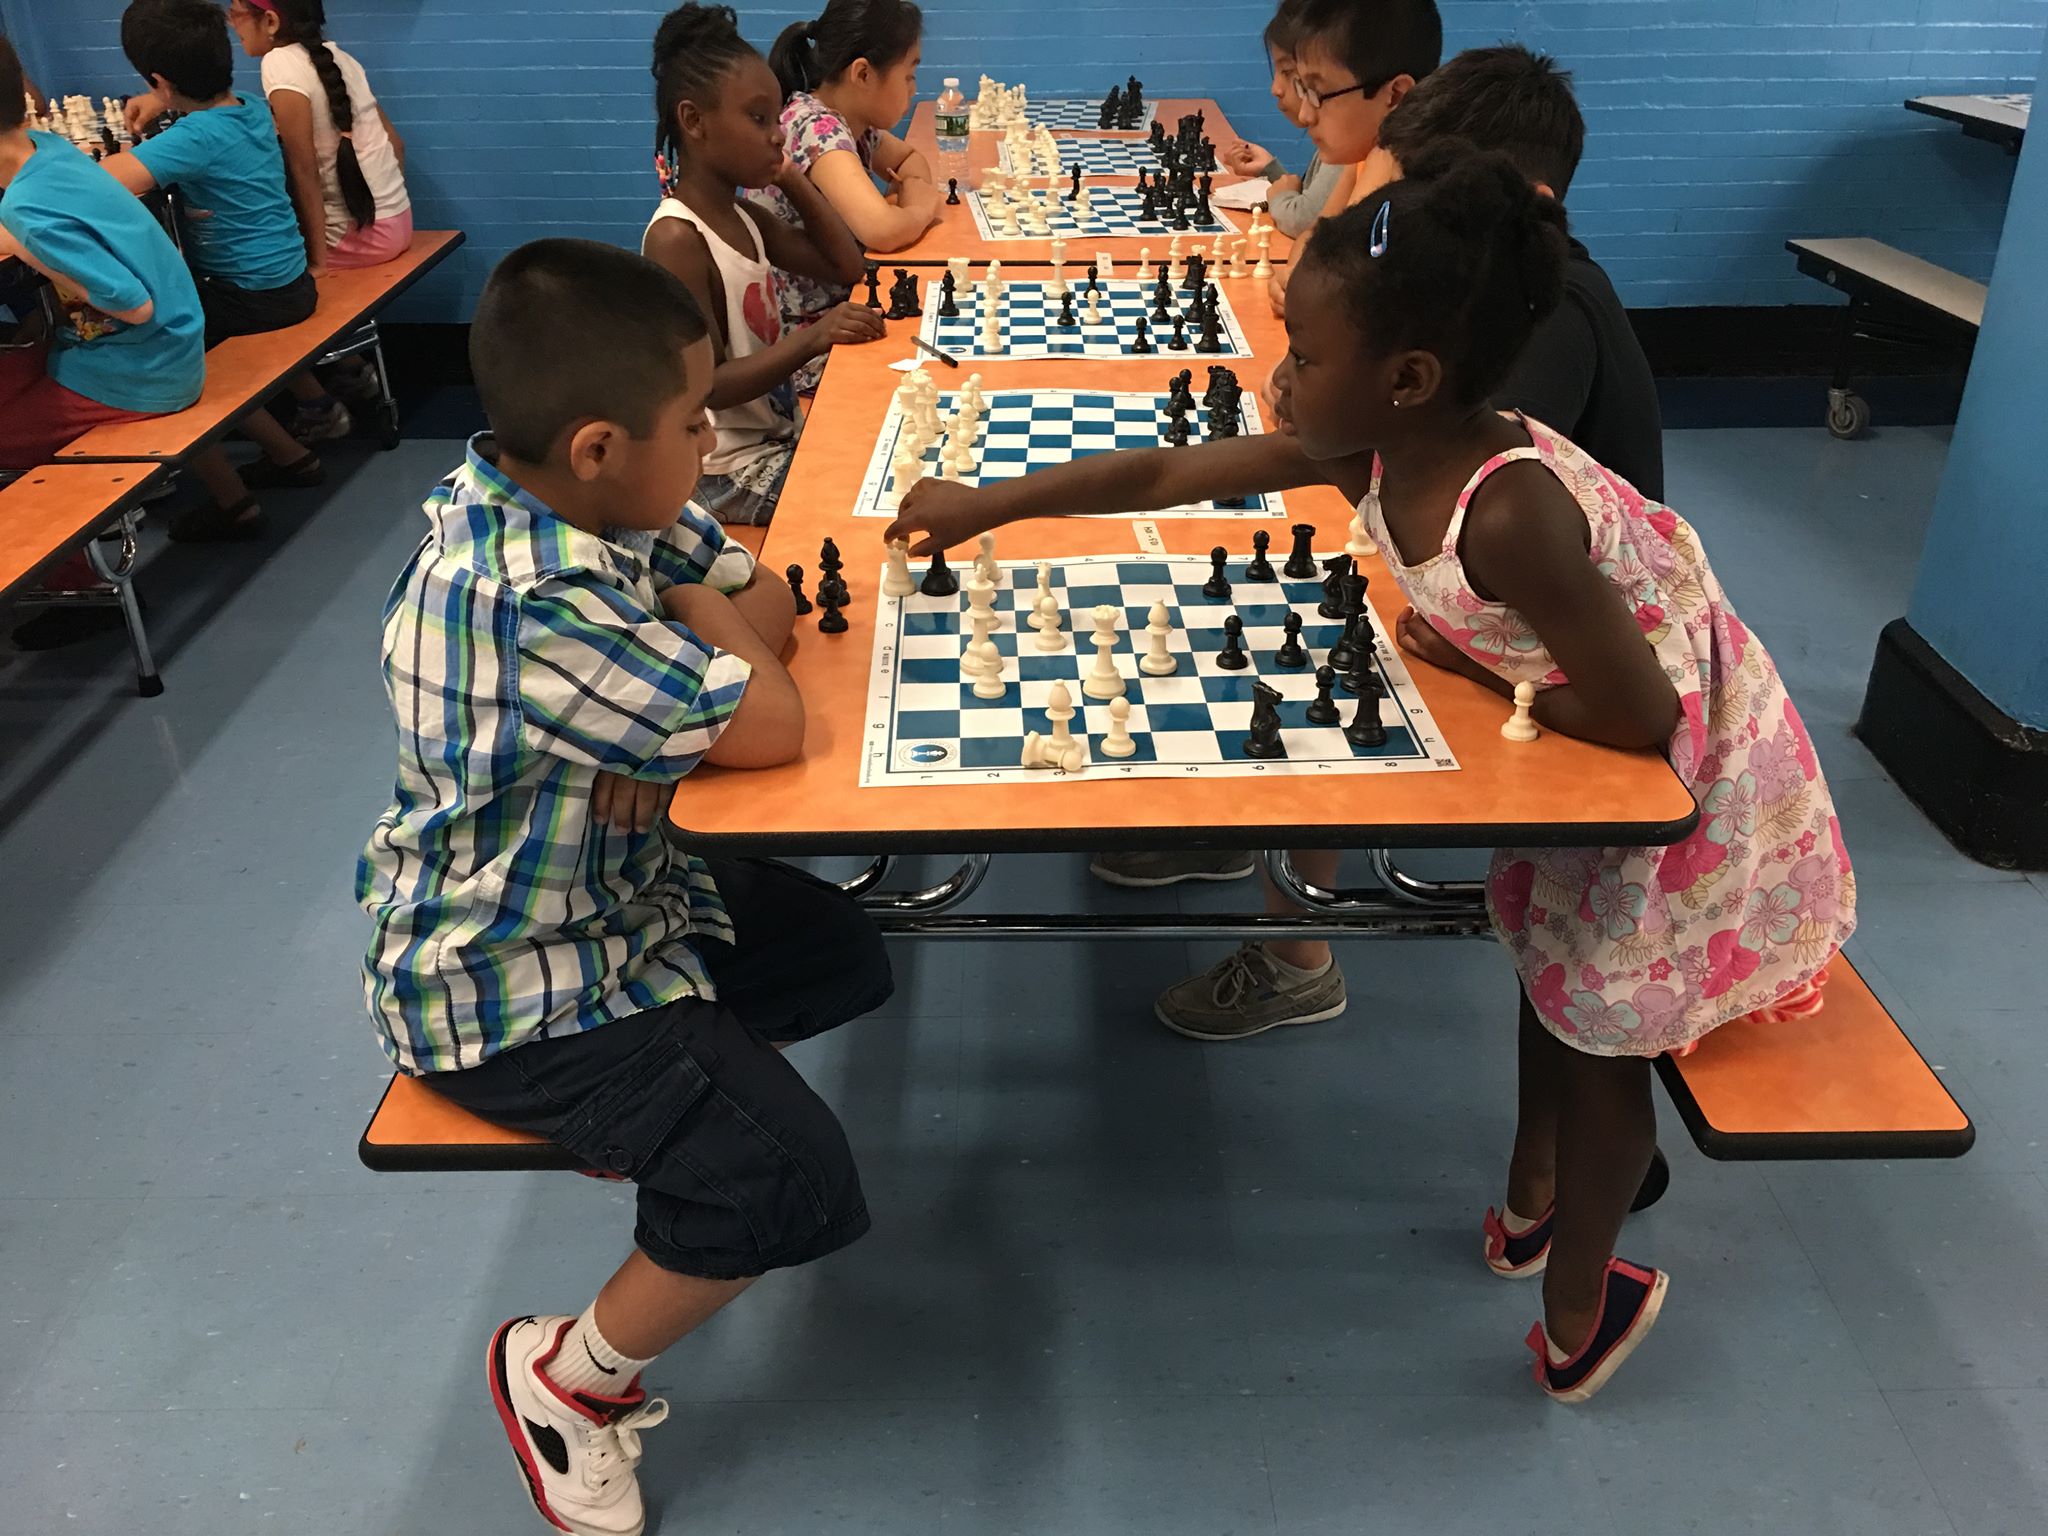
x: 1066, y: 114
x: 1031, y: 329
x: 1097, y: 154
x: 1113, y: 215
x: 925, y: 726
x: 1026, y: 429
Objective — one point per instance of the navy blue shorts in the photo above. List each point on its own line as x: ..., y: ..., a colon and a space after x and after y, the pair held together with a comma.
x: 742, y: 1168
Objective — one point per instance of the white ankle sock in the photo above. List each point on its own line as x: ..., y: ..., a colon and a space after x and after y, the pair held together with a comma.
x: 1515, y: 1225
x: 587, y: 1363
x: 1296, y: 973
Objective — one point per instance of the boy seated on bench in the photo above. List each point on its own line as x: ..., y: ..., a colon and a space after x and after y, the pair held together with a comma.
x: 570, y: 641
x: 127, y: 340
x: 241, y: 234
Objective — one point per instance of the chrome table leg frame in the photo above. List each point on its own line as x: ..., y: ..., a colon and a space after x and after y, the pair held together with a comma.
x: 1424, y: 893
x: 119, y: 574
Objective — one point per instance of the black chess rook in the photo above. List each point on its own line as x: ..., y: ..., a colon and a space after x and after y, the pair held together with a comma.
x: 1301, y: 560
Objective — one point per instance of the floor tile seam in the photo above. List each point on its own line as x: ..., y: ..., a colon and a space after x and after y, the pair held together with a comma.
x: 1912, y: 1450
x: 1820, y: 1280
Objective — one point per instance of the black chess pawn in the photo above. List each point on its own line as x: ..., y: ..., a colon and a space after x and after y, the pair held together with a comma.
x: 1178, y: 341
x: 831, y: 621
x: 1292, y: 652
x: 952, y: 192
x: 1176, y: 407
x: 1365, y: 729
x: 1177, y: 434
x: 795, y: 577
x: 1301, y: 560
x: 1158, y: 134
x: 1148, y: 202
x: 1141, y: 342
x: 948, y: 309
x: 1074, y: 186
x: 1094, y: 277
x: 1324, y: 710
x: 1259, y: 568
x: 1180, y: 211
x: 1332, y: 605
x: 939, y: 578
x: 1066, y: 321
x: 1264, y: 741
x: 1361, y: 668
x: 1217, y: 587
x: 1232, y: 657
x: 832, y: 589
x: 1162, y: 300
x: 1211, y: 339
x: 874, y: 286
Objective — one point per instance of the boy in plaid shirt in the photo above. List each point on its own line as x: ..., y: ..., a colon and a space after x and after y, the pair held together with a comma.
x: 563, y: 647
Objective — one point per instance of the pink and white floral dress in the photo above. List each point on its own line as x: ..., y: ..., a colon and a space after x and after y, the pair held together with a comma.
x: 1640, y: 951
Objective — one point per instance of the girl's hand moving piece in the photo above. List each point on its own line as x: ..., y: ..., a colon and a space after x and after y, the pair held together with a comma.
x: 1419, y: 639
x: 1242, y: 159
x: 627, y: 805
x: 849, y: 322
x: 939, y: 514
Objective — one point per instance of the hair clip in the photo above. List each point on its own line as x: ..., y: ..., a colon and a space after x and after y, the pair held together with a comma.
x: 1378, y: 247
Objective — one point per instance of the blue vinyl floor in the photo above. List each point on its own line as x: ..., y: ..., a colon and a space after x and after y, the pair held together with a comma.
x: 1118, y: 1282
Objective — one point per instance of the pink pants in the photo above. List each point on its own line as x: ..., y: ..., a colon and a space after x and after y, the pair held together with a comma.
x: 371, y: 245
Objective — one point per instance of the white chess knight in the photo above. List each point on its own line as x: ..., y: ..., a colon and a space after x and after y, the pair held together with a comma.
x: 1157, y: 661
x: 985, y: 560
x: 1060, y: 749
x: 1521, y: 725
x: 898, y: 582
x: 1360, y: 546
x: 1118, y: 742
x: 1103, y: 680
x: 1237, y: 266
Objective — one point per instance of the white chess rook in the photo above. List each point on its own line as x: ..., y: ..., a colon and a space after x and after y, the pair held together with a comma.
x: 898, y: 582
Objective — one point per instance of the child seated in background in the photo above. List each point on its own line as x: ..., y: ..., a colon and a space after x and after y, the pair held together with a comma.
x: 127, y: 343
x: 542, y: 952
x: 719, y: 128
x: 241, y: 235
x: 1523, y: 561
x: 1583, y: 371
x: 1294, y: 202
x: 1354, y: 62
x: 850, y: 77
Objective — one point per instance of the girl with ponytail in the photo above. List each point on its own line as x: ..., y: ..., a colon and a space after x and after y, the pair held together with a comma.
x: 345, y: 161
x: 1523, y: 562
x: 850, y: 78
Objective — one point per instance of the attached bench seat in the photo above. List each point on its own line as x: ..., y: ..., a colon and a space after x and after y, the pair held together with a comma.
x: 1845, y: 1083
x: 45, y: 513
x: 244, y: 371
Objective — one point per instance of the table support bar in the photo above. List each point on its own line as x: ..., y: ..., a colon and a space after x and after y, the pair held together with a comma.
x: 1393, y: 922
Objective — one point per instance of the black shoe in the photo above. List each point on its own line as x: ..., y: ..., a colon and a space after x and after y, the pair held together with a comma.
x: 216, y: 524
x: 55, y: 628
x: 303, y: 473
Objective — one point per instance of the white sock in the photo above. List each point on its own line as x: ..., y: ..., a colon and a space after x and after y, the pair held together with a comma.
x: 586, y: 1362
x: 1295, y: 973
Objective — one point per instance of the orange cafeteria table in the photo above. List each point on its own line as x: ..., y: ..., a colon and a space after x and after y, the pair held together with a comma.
x: 1555, y: 791
x: 956, y: 235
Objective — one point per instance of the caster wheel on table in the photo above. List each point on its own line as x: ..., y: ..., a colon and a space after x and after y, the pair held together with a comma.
x: 1655, y: 1182
x: 1848, y: 414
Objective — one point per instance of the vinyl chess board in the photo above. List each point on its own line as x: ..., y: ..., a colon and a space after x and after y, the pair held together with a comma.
x: 1023, y: 430
x: 925, y: 726
x: 1113, y: 214
x: 1067, y: 115
x: 1096, y: 154
x: 1031, y: 329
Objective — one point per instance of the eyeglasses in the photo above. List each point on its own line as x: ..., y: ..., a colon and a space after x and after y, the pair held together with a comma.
x: 1314, y: 99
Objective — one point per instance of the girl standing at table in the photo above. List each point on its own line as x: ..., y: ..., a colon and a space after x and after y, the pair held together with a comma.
x: 1526, y: 562
x: 850, y: 77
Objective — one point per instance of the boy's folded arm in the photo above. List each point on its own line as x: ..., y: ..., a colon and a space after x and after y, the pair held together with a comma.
x: 602, y: 683
x: 68, y: 253
x: 768, y: 726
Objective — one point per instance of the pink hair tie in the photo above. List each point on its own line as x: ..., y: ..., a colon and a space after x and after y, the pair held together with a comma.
x: 262, y: 5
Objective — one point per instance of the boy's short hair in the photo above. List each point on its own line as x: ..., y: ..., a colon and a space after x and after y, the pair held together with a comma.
x: 185, y: 41
x: 1375, y: 39
x: 569, y: 331
x: 1506, y: 99
x: 13, y: 87
x: 1283, y: 32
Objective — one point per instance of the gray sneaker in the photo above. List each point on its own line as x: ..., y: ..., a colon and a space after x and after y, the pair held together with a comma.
x: 1143, y: 871
x: 1243, y: 995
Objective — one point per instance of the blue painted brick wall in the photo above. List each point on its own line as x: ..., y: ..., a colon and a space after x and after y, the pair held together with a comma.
x: 1717, y: 128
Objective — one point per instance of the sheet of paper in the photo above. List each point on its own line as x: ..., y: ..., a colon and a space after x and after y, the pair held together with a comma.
x: 1241, y: 194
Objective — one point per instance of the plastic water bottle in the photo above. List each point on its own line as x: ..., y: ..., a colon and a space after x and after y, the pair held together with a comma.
x: 950, y: 114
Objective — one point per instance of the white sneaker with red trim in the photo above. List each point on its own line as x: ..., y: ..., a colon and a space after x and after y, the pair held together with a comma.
x: 577, y: 1451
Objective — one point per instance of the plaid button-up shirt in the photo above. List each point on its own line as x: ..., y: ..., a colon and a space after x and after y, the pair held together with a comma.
x: 522, y: 656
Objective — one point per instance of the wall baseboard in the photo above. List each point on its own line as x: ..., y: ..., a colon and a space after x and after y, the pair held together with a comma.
x: 1979, y: 775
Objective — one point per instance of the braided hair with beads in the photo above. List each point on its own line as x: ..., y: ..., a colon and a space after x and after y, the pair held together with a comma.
x: 693, y: 49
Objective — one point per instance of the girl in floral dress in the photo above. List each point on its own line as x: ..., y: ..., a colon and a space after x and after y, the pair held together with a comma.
x: 1525, y: 561
x: 849, y: 77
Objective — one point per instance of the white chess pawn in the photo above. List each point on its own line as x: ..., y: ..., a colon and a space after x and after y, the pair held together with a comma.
x: 1360, y: 546
x: 1173, y: 249
x: 992, y: 274
x: 1103, y: 680
x: 897, y: 581
x: 1216, y: 251
x: 1084, y: 205
x: 980, y: 624
x: 1157, y: 661
x: 1095, y: 306
x: 959, y: 456
x: 1118, y: 742
x: 1521, y: 725
x: 1144, y: 261
x: 1045, y: 617
x: 985, y: 560
x: 988, y: 676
